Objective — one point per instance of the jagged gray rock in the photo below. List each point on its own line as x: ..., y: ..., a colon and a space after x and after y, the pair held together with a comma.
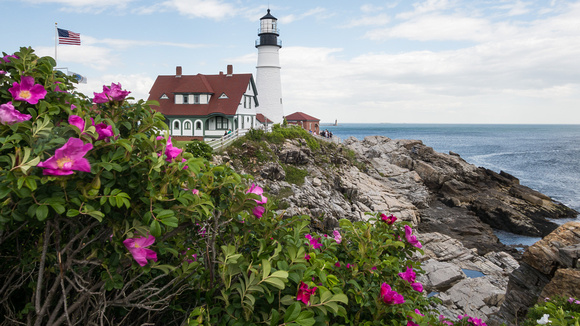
x: 546, y: 270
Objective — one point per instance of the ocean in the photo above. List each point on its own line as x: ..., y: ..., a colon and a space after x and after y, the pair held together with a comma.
x: 545, y: 158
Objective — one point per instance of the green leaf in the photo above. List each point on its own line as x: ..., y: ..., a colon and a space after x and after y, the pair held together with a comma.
x: 341, y: 297
x: 305, y: 318
x: 58, y: 208
x: 276, y: 282
x: 98, y: 215
x: 292, y: 312
x: 165, y: 214
x: 266, y: 267
x: 280, y: 274
x: 4, y: 191
x: 170, y: 221
x: 42, y: 212
x: 325, y: 295
x: 155, y: 228
x: 274, y: 318
x: 332, y: 306
x: 287, y: 300
x: 164, y: 268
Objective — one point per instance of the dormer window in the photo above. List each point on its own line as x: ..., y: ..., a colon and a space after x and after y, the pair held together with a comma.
x: 164, y: 97
x: 223, y: 96
x: 185, y: 99
x: 196, y: 99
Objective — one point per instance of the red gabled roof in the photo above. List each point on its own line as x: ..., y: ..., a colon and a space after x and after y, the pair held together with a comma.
x: 234, y: 86
x: 300, y: 116
x: 262, y: 118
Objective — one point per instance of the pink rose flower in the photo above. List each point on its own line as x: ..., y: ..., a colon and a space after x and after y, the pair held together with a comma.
x: 27, y: 90
x: 257, y: 190
x: 104, y: 131
x: 412, y: 239
x: 313, y: 242
x: 9, y: 115
x: 304, y: 293
x: 337, y: 236
x: 7, y: 57
x: 258, y: 211
x: 77, y: 121
x: 68, y: 158
x: 408, y: 275
x: 390, y: 296
x: 390, y: 220
x: 138, y: 248
x: 113, y: 93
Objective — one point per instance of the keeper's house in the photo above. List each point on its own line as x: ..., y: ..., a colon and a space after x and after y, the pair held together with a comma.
x: 205, y: 107
x: 304, y: 120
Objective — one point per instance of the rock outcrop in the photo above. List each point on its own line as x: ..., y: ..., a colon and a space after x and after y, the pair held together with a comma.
x: 550, y: 267
x: 455, y: 206
x: 497, y: 199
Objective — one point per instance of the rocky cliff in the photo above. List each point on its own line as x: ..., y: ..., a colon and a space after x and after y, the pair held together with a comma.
x: 454, y: 204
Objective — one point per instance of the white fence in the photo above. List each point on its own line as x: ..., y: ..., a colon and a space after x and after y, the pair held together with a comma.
x: 225, y: 140
x: 219, y: 143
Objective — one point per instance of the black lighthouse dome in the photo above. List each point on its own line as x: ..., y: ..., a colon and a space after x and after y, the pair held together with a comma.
x: 268, y: 31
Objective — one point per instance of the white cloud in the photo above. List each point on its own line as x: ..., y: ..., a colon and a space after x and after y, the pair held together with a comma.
x: 511, y: 72
x: 377, y: 20
x: 98, y: 58
x: 86, y: 6
x: 292, y: 18
x: 435, y: 27
x: 214, y: 9
x: 516, y: 8
x: 138, y: 84
x: 427, y: 6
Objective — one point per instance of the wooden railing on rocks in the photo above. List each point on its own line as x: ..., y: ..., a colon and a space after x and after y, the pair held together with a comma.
x: 225, y: 140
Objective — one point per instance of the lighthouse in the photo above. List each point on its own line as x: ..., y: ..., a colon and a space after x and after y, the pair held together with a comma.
x: 268, y: 83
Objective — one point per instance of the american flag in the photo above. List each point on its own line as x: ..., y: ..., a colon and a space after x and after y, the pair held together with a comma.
x: 68, y: 37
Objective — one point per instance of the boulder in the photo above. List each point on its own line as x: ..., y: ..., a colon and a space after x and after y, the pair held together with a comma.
x: 477, y: 297
x: 565, y: 283
x: 547, y: 269
x: 439, y: 276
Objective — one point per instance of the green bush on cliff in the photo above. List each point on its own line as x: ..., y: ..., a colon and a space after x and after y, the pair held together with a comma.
x: 556, y: 311
x: 199, y: 149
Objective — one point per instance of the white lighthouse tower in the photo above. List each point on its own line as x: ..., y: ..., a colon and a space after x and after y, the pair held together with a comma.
x: 268, y: 80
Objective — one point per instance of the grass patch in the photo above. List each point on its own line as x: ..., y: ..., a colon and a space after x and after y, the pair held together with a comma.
x: 294, y: 175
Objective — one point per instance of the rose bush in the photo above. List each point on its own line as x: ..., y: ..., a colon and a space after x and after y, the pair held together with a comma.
x: 103, y: 220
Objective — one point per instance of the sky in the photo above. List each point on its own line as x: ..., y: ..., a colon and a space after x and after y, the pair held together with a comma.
x: 405, y: 61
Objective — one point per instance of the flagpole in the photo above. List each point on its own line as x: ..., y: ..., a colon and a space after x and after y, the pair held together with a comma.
x: 55, y: 42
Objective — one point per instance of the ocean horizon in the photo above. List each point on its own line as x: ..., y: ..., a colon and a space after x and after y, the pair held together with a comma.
x: 545, y: 158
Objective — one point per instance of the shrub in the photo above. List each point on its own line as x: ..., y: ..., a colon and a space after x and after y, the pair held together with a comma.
x: 199, y: 149
x: 554, y: 311
x: 255, y: 134
x: 104, y: 221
